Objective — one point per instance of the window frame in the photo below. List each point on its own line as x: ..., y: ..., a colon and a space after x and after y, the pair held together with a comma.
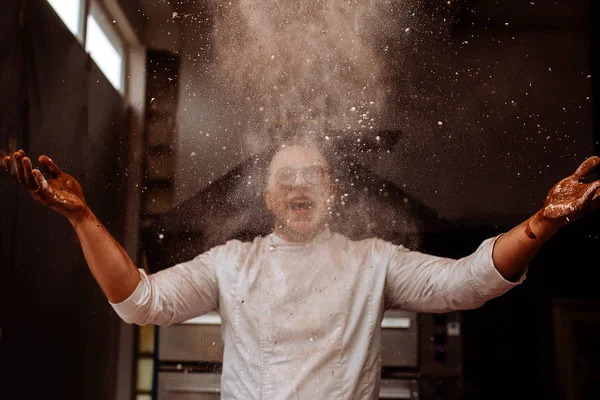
x: 83, y: 13
x: 104, y: 20
x: 81, y: 23
x: 97, y: 10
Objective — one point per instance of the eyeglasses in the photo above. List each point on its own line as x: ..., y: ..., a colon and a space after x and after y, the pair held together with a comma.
x: 313, y: 175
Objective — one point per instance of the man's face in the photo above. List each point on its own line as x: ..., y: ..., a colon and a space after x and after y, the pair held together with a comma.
x: 299, y: 192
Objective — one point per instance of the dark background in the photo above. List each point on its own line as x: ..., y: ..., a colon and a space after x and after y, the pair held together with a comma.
x: 59, y: 334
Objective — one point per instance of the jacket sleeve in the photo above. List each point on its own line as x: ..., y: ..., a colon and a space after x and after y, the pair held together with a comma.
x: 425, y: 283
x: 173, y: 295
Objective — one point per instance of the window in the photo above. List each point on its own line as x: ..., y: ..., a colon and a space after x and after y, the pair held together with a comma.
x: 94, y: 28
x: 70, y: 12
x: 105, y: 47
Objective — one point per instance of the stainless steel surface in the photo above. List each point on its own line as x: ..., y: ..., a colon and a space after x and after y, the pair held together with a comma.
x: 399, y: 389
x: 202, y: 386
x: 211, y: 318
x: 188, y: 386
x: 396, y: 323
x: 194, y: 341
x: 399, y: 339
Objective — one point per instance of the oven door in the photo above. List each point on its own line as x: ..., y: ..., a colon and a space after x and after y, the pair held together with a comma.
x: 188, y: 386
x: 399, y: 389
x: 203, y: 386
x: 399, y: 340
x: 196, y: 340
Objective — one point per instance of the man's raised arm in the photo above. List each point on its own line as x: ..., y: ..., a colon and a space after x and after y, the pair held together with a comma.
x: 110, y: 264
x: 426, y: 283
x: 567, y: 201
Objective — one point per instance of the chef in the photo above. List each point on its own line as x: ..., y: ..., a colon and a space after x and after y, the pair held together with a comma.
x: 302, y: 307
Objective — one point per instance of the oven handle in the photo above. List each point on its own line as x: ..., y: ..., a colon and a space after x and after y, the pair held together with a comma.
x: 397, y: 394
x: 206, y: 319
x: 182, y: 389
x: 392, y: 389
x: 395, y: 323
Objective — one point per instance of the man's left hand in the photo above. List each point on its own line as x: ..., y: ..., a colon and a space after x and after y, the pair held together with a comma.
x: 571, y: 198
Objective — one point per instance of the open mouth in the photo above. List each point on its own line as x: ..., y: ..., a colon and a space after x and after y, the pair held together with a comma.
x: 303, y: 204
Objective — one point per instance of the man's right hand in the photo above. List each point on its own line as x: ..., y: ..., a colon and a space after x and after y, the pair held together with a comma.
x: 110, y: 264
x: 61, y: 192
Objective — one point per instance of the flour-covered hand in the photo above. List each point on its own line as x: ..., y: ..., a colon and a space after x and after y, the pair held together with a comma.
x: 60, y: 191
x: 571, y: 198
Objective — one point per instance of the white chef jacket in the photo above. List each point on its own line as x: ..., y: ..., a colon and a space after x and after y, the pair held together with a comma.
x: 303, y: 321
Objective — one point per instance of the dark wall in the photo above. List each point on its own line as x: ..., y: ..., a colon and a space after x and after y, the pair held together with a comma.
x: 59, y: 334
x: 131, y: 9
x: 594, y: 24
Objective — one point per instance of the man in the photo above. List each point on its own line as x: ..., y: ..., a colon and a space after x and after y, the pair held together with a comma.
x: 302, y: 307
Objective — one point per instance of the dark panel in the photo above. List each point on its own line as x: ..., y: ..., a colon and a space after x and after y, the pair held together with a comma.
x: 540, y: 14
x: 46, y: 316
x: 105, y: 152
x: 59, y: 334
x: 594, y: 28
x: 131, y: 8
x: 10, y: 127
